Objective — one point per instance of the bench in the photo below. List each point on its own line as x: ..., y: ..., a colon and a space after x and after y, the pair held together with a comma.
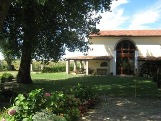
x: 101, y: 71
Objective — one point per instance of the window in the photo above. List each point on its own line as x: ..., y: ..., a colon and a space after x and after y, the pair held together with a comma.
x: 104, y: 64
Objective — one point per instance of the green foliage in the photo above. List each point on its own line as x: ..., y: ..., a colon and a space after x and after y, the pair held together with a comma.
x: 57, y: 24
x: 86, y: 95
x: 54, y: 69
x: 6, y: 77
x: 16, y: 64
x: 8, y: 49
x: 51, y: 67
x: 36, y: 66
x: 43, y: 29
x: 38, y: 105
x: 83, y: 92
x: 3, y: 66
x: 47, y: 116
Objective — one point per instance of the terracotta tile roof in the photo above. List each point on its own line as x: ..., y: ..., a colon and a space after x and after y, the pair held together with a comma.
x: 128, y: 33
x: 149, y: 58
x: 90, y: 58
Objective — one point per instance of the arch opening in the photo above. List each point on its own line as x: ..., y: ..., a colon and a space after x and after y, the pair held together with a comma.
x: 125, y: 57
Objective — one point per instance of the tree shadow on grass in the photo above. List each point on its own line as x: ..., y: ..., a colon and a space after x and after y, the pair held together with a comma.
x: 103, y: 85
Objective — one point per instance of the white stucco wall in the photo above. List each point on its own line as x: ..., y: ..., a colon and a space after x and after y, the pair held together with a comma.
x: 95, y: 64
x: 104, y: 46
x: 148, y: 46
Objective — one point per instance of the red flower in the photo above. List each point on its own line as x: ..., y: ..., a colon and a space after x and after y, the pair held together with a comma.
x: 11, y: 112
x: 47, y: 94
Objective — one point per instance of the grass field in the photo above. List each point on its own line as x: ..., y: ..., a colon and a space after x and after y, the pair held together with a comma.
x: 103, y: 85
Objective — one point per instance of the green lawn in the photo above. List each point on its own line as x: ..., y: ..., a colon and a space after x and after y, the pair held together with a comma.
x: 103, y: 85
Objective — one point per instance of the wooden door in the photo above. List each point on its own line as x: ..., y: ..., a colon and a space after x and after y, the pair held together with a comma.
x: 125, y: 57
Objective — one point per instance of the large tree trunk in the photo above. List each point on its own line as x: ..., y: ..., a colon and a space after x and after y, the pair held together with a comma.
x: 24, y: 70
x: 4, y: 6
x: 28, y: 44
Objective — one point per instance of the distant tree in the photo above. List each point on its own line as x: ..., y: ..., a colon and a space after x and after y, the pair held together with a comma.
x: 7, y: 53
x: 44, y: 28
x: 8, y: 41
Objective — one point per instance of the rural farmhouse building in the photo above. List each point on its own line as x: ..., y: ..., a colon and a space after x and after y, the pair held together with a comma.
x: 119, y: 52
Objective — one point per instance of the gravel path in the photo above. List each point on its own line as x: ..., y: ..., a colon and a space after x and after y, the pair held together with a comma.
x: 124, y: 109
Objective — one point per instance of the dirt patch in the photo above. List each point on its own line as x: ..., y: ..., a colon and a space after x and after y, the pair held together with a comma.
x: 124, y: 109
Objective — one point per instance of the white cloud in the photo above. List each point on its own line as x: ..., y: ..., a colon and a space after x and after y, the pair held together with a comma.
x: 113, y: 20
x: 145, y: 18
x: 150, y: 15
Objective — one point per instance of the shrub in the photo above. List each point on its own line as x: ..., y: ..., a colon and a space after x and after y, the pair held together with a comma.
x: 83, y: 92
x: 54, y: 69
x: 3, y: 65
x: 86, y: 95
x: 6, y: 77
x: 36, y: 66
x: 47, y: 116
x: 26, y: 106
x: 40, y: 106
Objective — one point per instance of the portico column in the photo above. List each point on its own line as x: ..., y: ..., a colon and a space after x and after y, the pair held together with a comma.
x: 81, y: 64
x: 84, y: 64
x: 87, y: 67
x: 75, y: 65
x: 68, y: 67
x: 42, y: 66
x: 114, y: 63
x: 31, y: 69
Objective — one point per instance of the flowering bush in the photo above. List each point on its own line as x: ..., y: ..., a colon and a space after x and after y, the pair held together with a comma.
x: 11, y: 112
x: 57, y: 105
x: 84, y: 93
x: 47, y: 94
x: 47, y: 116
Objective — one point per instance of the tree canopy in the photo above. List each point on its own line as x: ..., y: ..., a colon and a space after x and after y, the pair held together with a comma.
x: 4, y: 6
x: 43, y: 29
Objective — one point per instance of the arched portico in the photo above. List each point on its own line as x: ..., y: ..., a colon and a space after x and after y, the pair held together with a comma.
x: 126, y: 57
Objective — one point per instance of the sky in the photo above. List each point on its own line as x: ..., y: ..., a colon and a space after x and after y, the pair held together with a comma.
x: 130, y: 15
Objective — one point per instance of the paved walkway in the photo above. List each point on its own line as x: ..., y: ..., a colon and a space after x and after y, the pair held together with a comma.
x: 125, y: 109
